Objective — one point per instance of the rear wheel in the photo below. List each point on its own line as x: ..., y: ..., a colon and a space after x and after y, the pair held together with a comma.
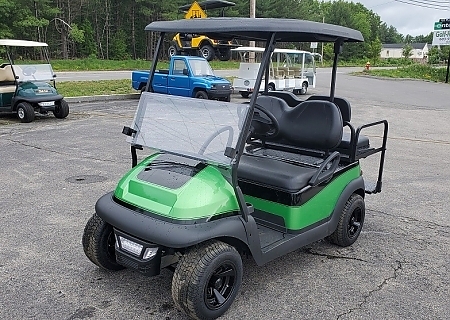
x: 224, y: 54
x: 207, y: 52
x: 25, y: 112
x: 350, y: 222
x: 207, y: 280
x: 99, y: 243
x: 61, y: 109
x: 304, y: 88
x: 201, y: 95
x: 271, y: 87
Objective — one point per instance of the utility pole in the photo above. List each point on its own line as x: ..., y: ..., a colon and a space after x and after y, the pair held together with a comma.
x: 252, y: 15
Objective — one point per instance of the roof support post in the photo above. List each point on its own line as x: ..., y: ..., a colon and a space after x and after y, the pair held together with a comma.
x: 337, y: 50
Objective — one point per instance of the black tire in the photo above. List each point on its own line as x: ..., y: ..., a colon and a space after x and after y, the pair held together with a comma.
x: 207, y: 280
x: 228, y: 98
x: 271, y: 87
x: 61, y: 109
x: 304, y: 88
x: 350, y: 222
x: 224, y: 54
x: 98, y: 244
x: 172, y: 51
x: 25, y: 112
x: 201, y: 95
x: 244, y: 94
x: 207, y: 52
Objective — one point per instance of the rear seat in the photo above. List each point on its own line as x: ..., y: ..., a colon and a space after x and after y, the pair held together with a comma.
x: 314, y: 125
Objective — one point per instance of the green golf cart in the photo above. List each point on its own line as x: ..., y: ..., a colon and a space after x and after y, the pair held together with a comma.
x: 28, y: 88
x: 222, y: 180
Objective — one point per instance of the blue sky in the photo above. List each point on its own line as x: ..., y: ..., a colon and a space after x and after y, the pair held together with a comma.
x: 408, y: 18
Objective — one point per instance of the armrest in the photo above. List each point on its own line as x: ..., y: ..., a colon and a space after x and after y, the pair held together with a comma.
x: 326, y: 169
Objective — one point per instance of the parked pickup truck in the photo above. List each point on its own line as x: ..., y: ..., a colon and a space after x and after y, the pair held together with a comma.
x: 187, y: 76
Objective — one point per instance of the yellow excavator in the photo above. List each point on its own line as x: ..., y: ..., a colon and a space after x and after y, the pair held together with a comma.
x: 196, y: 44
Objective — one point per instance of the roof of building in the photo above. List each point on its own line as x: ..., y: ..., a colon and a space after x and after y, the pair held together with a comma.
x: 418, y: 45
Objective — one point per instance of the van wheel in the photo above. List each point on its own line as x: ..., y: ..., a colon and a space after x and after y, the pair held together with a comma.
x: 99, y: 243
x: 350, y: 222
x: 25, y: 112
x: 61, y: 109
x: 207, y: 52
x: 201, y: 95
x: 271, y: 87
x: 207, y: 280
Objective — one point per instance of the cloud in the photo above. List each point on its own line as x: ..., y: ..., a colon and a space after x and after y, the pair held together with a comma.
x: 408, y: 18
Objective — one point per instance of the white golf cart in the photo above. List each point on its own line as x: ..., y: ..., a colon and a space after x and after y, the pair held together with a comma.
x: 290, y: 70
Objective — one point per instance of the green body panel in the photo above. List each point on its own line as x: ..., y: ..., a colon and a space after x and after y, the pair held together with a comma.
x: 316, y: 209
x: 204, y: 195
x: 5, y: 99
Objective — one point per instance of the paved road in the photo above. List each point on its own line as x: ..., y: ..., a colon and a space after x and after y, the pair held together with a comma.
x: 54, y: 171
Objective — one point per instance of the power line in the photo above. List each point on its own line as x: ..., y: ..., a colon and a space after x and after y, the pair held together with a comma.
x: 430, y: 4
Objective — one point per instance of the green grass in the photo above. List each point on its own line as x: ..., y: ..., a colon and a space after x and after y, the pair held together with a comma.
x: 93, y: 88
x: 415, y: 71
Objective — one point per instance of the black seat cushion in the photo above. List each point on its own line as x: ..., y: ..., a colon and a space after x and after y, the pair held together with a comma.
x: 363, y: 142
x: 274, y: 173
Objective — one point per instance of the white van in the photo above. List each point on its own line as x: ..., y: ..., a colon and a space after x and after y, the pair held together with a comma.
x: 290, y: 70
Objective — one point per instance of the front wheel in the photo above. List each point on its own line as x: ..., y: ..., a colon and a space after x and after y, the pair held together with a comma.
x: 201, y: 95
x: 61, y: 109
x: 207, y: 280
x: 99, y: 244
x: 25, y: 112
x: 350, y: 222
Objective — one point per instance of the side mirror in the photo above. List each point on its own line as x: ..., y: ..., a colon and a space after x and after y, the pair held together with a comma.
x: 185, y: 72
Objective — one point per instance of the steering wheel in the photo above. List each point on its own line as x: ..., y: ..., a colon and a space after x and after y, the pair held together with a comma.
x: 216, y: 134
x: 269, y: 127
x: 29, y: 71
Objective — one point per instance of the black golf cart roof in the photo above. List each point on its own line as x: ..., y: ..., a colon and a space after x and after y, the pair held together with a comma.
x: 287, y: 30
x: 209, y: 4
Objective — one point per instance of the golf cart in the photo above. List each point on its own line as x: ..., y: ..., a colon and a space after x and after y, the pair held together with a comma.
x: 290, y: 70
x: 223, y: 179
x: 27, y: 88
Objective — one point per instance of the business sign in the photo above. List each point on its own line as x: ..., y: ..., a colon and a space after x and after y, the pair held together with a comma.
x: 441, y: 33
x: 195, y: 11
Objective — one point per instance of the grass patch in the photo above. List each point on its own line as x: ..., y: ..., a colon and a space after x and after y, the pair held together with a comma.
x: 93, y: 88
x: 416, y: 71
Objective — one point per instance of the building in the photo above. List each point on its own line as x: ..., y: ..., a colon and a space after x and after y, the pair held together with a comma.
x: 395, y: 50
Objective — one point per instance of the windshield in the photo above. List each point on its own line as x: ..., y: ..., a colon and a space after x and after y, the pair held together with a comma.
x: 200, y: 67
x: 33, y: 72
x: 195, y: 128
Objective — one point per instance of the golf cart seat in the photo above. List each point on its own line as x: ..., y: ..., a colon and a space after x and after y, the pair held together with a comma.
x: 291, y: 99
x: 7, y: 81
x: 346, y: 112
x: 311, y: 125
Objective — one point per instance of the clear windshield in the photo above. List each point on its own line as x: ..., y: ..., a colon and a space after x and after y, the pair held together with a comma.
x: 196, y: 128
x: 33, y: 72
x: 200, y: 68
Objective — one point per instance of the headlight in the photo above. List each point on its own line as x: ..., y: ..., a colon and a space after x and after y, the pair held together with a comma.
x: 130, y: 246
x: 149, y: 253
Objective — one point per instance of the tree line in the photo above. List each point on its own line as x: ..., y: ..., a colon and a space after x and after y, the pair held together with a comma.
x: 113, y: 29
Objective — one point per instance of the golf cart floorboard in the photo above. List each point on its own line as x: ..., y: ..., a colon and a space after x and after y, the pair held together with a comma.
x: 270, y: 237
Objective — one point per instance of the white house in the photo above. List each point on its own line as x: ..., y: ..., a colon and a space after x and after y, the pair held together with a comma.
x: 395, y: 50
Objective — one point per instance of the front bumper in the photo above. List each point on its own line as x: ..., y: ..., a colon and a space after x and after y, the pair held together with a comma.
x: 216, y: 94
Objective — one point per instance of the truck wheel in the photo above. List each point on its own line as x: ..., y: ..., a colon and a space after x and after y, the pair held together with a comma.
x: 201, y: 95
x: 61, y: 109
x: 224, y: 55
x: 172, y: 51
x: 98, y: 244
x: 350, y: 222
x: 207, y: 52
x: 25, y: 112
x: 207, y: 280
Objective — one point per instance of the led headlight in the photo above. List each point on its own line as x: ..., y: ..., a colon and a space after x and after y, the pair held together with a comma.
x: 130, y: 246
x: 149, y: 253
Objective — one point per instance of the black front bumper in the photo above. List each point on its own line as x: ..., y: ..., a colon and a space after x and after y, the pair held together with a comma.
x: 217, y: 94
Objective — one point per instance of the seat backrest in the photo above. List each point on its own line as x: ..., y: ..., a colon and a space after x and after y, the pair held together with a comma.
x: 6, y: 73
x: 313, y: 125
x: 277, y: 106
x: 291, y: 99
x: 343, y: 105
